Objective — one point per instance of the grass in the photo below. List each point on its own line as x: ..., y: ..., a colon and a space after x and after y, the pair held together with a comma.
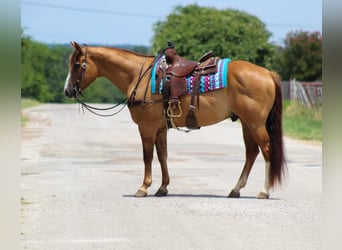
x: 27, y: 103
x: 302, y: 123
x: 25, y: 202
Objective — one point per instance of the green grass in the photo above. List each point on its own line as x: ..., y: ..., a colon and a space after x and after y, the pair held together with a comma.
x: 302, y: 123
x: 27, y: 103
x: 25, y: 202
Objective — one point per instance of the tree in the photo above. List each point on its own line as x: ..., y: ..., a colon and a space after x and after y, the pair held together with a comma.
x: 301, y: 58
x: 33, y: 58
x: 56, y: 70
x: 228, y: 33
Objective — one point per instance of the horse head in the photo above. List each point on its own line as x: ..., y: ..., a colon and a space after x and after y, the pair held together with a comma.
x: 82, y: 71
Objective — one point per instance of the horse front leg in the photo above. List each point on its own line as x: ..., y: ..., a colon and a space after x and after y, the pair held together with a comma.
x: 161, y: 146
x: 148, y: 137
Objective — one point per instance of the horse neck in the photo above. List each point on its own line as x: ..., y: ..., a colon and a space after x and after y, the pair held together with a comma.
x: 121, y: 67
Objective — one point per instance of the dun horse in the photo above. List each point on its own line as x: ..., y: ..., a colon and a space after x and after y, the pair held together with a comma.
x: 253, y: 95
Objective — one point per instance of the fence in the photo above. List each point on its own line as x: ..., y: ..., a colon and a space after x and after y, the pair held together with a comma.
x: 307, y: 93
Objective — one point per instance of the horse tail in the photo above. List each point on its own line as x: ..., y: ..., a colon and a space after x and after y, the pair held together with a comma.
x: 275, y: 131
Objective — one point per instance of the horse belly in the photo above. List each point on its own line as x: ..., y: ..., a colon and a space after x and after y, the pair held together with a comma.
x: 213, y: 107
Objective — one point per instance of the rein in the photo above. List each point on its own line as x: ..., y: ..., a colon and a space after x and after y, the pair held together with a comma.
x: 131, y: 100
x: 92, y: 109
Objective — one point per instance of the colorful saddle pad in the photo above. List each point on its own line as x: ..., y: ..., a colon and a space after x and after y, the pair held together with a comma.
x: 209, y: 82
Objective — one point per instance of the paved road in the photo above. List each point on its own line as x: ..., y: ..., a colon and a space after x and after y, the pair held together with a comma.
x: 80, y: 171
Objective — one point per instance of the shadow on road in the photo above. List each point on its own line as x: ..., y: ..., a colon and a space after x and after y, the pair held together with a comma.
x: 208, y: 196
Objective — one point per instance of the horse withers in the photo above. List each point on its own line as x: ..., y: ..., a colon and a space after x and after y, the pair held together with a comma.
x: 253, y: 94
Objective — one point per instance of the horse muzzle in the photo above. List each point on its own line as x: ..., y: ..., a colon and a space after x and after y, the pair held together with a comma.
x: 70, y: 92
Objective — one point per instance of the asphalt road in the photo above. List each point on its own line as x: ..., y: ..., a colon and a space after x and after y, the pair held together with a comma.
x: 80, y: 172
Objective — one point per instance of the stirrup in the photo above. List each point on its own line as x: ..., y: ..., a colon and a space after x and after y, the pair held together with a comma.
x: 170, y: 110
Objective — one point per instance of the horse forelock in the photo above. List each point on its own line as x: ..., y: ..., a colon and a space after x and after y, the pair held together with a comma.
x: 75, y: 56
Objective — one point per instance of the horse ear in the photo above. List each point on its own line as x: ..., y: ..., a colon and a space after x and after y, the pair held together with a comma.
x: 76, y: 46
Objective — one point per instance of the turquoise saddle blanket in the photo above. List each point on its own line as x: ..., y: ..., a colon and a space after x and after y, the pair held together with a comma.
x: 208, y: 83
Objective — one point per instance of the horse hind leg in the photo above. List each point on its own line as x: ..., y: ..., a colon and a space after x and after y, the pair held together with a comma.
x: 262, y: 138
x: 264, y: 194
x: 252, y: 152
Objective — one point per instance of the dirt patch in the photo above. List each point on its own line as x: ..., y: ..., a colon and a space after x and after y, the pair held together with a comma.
x: 30, y: 133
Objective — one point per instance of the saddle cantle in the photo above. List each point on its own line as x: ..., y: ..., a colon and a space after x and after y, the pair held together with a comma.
x: 173, y: 72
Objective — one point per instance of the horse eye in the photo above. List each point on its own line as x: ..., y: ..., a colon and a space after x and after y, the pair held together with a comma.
x: 76, y: 65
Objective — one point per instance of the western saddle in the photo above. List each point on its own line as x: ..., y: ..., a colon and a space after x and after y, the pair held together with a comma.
x: 173, y: 71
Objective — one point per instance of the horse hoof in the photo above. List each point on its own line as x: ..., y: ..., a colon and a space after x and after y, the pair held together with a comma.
x: 234, y: 194
x: 140, y: 193
x: 263, y: 195
x: 161, y: 192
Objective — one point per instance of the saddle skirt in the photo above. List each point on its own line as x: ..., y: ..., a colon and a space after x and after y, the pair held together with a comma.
x: 208, y: 82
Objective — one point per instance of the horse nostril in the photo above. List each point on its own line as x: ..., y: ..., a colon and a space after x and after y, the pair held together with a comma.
x: 69, y: 93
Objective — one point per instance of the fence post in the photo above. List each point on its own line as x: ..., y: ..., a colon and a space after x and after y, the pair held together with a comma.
x: 298, y: 93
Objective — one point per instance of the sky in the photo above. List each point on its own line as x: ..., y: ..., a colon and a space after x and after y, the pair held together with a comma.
x: 110, y: 22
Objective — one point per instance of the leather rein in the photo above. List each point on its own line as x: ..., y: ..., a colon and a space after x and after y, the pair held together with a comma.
x: 136, y: 102
x: 131, y: 100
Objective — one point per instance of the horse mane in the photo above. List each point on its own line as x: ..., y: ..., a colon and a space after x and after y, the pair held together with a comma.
x: 126, y: 51
x: 133, y: 52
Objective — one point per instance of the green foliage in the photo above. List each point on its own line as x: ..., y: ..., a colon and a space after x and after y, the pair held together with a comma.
x: 228, y: 33
x: 44, y: 69
x: 302, y: 123
x: 301, y: 58
x: 33, y: 58
x: 141, y: 49
x: 57, y: 70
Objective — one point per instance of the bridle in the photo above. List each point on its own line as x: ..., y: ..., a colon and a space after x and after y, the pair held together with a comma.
x: 82, y: 73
